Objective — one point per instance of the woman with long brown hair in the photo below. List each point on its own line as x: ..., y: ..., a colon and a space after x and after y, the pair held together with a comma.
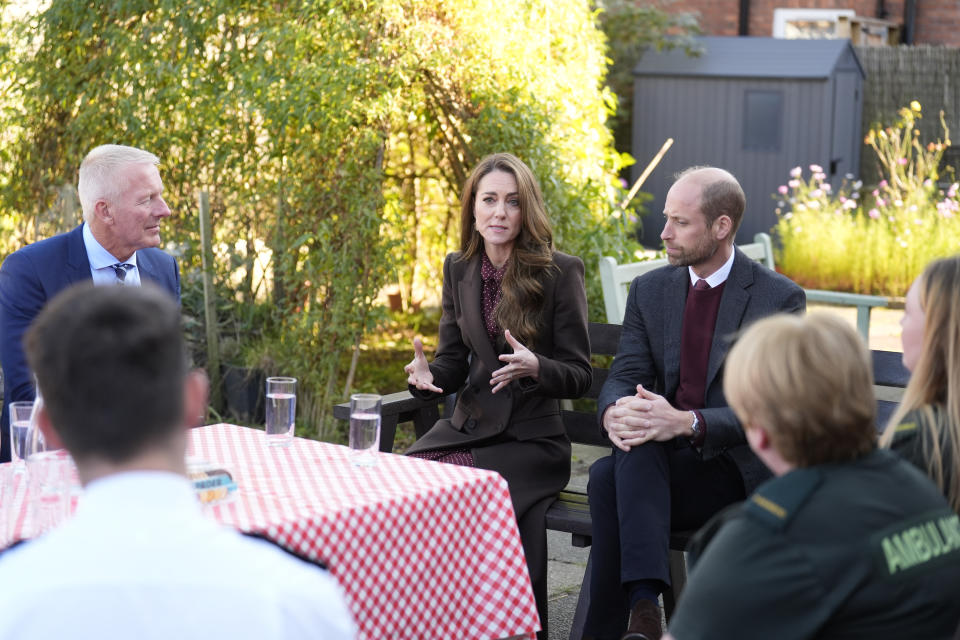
x: 512, y: 342
x: 925, y: 428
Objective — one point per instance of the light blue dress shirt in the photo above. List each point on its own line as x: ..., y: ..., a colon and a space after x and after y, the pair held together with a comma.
x: 102, y: 261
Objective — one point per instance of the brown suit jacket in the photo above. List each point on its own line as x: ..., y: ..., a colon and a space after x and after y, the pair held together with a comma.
x: 517, y: 431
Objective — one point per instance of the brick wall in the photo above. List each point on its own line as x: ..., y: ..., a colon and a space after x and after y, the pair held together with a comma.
x: 715, y: 17
x: 937, y: 21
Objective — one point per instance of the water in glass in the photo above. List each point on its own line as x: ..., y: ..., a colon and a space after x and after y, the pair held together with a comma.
x: 365, y: 427
x: 281, y: 410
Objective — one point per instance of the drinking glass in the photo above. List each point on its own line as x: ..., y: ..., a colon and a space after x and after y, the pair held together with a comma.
x: 20, y: 414
x: 365, y: 427
x: 281, y: 410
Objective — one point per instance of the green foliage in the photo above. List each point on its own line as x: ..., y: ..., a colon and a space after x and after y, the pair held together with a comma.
x: 333, y: 137
x: 880, y: 242
x: 524, y: 77
x: 632, y: 29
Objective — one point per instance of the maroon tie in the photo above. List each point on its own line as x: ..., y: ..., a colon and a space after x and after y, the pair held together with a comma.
x: 701, y: 285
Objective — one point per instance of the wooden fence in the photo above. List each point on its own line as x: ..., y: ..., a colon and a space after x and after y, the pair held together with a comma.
x: 897, y: 75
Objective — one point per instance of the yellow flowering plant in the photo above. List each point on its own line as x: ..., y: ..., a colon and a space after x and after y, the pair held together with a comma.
x: 874, y: 241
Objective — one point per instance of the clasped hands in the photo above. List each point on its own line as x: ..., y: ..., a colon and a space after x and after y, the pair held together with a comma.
x: 522, y: 363
x: 646, y: 416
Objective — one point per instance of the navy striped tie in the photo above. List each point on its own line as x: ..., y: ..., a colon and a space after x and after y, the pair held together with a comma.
x: 121, y: 269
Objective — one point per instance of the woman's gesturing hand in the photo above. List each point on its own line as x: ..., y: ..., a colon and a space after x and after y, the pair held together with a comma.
x: 418, y: 371
x: 522, y: 363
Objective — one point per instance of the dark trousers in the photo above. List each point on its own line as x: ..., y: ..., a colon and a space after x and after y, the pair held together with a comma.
x: 533, y: 537
x: 635, y: 499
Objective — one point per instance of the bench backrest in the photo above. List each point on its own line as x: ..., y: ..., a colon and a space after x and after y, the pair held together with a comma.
x: 616, y: 278
x: 581, y: 424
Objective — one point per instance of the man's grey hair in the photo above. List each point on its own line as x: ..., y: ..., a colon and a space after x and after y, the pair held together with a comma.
x: 99, y: 171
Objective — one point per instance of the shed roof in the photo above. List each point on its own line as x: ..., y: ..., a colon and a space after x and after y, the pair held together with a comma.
x: 753, y: 57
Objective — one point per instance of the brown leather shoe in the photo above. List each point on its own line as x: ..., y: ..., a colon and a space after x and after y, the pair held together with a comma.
x: 644, y: 622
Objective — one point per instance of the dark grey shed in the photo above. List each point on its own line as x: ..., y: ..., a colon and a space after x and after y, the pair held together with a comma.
x: 754, y: 106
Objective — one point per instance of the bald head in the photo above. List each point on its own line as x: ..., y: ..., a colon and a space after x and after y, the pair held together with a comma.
x: 720, y: 194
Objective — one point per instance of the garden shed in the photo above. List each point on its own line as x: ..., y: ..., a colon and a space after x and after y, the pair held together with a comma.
x: 754, y: 106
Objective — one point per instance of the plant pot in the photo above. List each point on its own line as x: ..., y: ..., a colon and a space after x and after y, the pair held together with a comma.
x: 243, y: 391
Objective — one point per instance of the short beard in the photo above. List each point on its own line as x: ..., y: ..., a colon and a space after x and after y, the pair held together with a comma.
x: 705, y: 250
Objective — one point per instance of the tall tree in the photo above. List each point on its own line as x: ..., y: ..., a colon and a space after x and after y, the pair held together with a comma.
x: 333, y: 136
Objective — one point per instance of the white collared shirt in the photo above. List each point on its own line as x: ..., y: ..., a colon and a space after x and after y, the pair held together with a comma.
x: 102, y: 261
x: 719, y: 276
x: 140, y: 560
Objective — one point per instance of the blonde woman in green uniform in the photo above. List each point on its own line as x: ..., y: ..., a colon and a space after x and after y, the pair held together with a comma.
x: 925, y: 428
x: 847, y: 540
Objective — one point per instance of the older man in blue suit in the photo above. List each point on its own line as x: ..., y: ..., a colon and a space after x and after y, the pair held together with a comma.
x: 679, y: 452
x: 121, y: 195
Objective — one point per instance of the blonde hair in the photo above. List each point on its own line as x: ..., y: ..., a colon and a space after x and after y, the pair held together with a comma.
x: 100, y: 173
x: 936, y: 377
x: 532, y: 255
x: 808, y: 381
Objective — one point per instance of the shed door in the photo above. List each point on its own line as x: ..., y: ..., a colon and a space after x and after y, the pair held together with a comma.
x: 845, y: 150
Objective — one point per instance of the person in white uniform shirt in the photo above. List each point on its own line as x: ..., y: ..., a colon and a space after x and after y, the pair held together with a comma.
x: 139, y: 559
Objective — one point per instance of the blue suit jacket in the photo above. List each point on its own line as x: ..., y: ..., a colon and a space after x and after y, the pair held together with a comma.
x: 649, y: 350
x: 35, y: 274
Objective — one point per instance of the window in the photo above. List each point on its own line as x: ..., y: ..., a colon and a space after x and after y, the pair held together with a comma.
x: 807, y: 23
x: 762, y: 120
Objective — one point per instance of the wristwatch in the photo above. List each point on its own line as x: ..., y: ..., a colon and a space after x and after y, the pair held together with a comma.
x: 695, y: 427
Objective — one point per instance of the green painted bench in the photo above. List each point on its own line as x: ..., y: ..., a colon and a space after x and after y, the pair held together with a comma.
x: 616, y: 278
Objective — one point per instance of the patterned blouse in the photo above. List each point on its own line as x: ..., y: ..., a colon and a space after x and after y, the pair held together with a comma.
x: 491, y: 293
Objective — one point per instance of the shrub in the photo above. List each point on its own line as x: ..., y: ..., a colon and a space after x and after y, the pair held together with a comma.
x: 872, y: 242
x: 332, y: 136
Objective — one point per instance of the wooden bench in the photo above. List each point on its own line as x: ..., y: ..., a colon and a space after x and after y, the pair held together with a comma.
x: 616, y: 278
x: 570, y: 513
x: 864, y: 304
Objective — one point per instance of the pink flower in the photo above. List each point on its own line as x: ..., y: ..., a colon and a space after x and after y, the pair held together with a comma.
x: 875, y: 193
x: 783, y: 189
x: 850, y: 204
x: 902, y: 161
x: 794, y: 184
x: 815, y: 168
x: 881, y: 202
x: 883, y: 184
x: 820, y: 175
x: 873, y: 213
x: 796, y: 172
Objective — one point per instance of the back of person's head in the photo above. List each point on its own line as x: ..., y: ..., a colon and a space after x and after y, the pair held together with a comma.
x: 721, y: 194
x: 110, y: 365
x: 101, y: 173
x: 935, y: 379
x: 808, y: 381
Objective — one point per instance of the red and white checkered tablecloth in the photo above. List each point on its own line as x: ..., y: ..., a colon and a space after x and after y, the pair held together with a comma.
x: 422, y: 549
